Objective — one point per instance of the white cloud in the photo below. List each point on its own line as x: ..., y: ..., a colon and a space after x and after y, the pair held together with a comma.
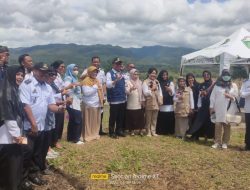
x: 128, y: 23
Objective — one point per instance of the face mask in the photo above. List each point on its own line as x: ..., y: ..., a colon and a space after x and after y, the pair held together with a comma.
x: 226, y: 78
x: 75, y: 73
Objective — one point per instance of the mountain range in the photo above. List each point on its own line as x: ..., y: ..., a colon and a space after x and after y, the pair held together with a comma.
x: 144, y: 57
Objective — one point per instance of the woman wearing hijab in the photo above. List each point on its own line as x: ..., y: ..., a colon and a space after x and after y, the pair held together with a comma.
x: 92, y: 102
x: 184, y: 105
x: 11, y: 116
x: 58, y: 86
x: 166, y: 119
x: 153, y: 100
x: 74, y: 110
x: 202, y: 125
x: 194, y: 85
x: 135, y: 103
x: 222, y: 101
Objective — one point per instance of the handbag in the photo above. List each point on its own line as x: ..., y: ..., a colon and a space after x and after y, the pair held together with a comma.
x: 234, y: 118
x: 159, y: 99
x: 213, y: 117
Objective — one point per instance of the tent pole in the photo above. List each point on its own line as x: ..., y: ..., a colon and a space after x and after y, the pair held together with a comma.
x: 181, y: 70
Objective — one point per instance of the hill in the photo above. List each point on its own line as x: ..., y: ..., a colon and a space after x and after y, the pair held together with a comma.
x: 81, y: 54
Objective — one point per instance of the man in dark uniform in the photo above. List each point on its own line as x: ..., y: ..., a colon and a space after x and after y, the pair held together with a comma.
x: 116, y: 95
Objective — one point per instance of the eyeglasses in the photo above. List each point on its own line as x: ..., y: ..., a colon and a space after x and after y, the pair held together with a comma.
x: 52, y: 74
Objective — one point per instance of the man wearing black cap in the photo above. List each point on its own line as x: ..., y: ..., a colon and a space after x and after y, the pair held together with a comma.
x: 37, y: 97
x: 117, y: 98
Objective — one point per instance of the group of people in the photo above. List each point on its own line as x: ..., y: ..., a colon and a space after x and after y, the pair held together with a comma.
x: 33, y: 100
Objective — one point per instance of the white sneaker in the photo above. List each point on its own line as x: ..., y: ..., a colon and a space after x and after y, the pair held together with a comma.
x: 216, y: 145
x: 149, y: 135
x: 54, y: 152
x: 51, y: 156
x: 80, y: 142
x: 224, y: 146
x: 155, y: 135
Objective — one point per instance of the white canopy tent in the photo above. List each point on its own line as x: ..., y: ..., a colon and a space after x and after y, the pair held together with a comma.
x: 224, y: 53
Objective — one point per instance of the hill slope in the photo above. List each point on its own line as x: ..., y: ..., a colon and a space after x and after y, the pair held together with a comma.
x: 81, y: 54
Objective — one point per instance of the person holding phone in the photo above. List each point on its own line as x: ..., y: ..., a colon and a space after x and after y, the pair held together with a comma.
x: 184, y: 105
x: 74, y: 110
x: 153, y: 100
x: 166, y: 119
x: 202, y: 125
x: 223, y: 101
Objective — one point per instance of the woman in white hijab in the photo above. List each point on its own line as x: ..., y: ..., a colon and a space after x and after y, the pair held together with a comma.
x: 135, y: 102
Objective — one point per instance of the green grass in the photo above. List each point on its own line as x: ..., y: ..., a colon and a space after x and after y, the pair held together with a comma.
x: 162, y: 162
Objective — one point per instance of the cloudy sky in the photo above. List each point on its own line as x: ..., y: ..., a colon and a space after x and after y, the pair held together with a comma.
x: 127, y: 23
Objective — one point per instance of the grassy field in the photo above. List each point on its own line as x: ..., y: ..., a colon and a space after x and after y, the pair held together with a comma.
x: 149, y: 163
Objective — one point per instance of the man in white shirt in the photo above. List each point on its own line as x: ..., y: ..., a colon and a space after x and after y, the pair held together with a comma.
x: 129, y: 67
x: 37, y: 97
x: 245, y: 93
x: 25, y: 60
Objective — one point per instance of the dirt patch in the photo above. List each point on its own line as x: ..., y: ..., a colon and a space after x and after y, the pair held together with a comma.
x: 58, y: 180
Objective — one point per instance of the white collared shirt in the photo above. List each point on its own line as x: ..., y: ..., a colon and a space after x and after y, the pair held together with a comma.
x: 59, y: 82
x: 38, y: 97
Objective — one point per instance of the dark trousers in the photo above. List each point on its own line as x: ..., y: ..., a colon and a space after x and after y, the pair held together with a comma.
x: 58, y: 131
x: 11, y: 164
x: 45, y: 147
x: 32, y: 154
x: 116, y: 118
x: 101, y: 130
x: 247, y: 135
x: 165, y: 123
x: 74, y: 125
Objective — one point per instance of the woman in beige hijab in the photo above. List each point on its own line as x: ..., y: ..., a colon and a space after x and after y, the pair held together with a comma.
x: 92, y: 103
x: 135, y: 100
